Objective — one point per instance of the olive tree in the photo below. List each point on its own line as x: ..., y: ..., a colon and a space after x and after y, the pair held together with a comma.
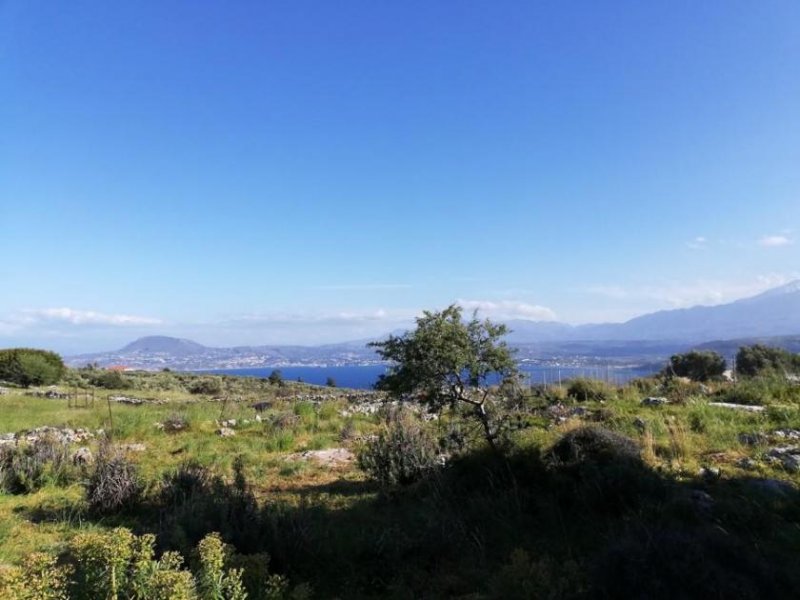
x: 447, y: 361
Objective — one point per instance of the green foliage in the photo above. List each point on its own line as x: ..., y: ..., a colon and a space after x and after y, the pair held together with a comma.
x: 39, y: 577
x: 211, y: 386
x: 109, y: 380
x: 26, y: 468
x: 447, y: 361
x: 215, y: 581
x: 403, y: 452
x: 758, y: 360
x: 28, y: 366
x: 586, y: 390
x: 276, y: 377
x: 330, y: 382
x: 697, y: 365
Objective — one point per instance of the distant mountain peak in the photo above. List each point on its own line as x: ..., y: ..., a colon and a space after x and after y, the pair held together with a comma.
x: 793, y: 287
x: 163, y: 344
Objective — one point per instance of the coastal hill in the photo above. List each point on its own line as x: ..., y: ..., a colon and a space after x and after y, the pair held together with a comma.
x: 771, y: 317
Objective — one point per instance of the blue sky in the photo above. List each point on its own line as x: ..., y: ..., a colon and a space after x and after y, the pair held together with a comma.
x: 260, y: 172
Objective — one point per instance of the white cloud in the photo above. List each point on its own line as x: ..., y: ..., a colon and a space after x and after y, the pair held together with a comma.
x: 73, y: 316
x: 772, y: 241
x: 508, y: 309
x: 698, y: 243
x: 684, y: 294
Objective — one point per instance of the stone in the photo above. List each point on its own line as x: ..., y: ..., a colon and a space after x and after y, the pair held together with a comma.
x: 732, y: 406
x: 654, y: 401
x: 709, y: 473
x: 772, y: 486
x: 752, y: 439
x: 331, y: 457
x: 225, y: 432
x: 640, y: 423
x: 748, y: 464
x: 258, y: 418
x: 787, y: 434
x: 133, y: 447
x: 788, y: 456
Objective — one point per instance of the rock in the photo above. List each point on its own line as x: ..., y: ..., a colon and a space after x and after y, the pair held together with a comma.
x: 752, y: 439
x: 133, y: 447
x: 640, y: 423
x: 225, y: 432
x: 748, y: 464
x: 330, y: 457
x: 787, y: 434
x: 702, y: 501
x: 788, y: 456
x: 732, y: 406
x: 654, y: 401
x: 709, y: 473
x: 772, y: 486
x: 229, y: 424
x: 261, y: 406
x: 82, y: 457
x: 258, y: 418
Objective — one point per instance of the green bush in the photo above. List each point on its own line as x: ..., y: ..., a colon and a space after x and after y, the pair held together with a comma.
x: 758, y: 360
x: 697, y: 365
x: 583, y: 390
x: 28, y: 366
x: 211, y: 386
x: 403, y: 452
x: 27, y: 468
x: 109, y: 380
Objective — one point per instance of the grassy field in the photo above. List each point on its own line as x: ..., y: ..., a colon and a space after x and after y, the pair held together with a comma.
x: 475, y: 529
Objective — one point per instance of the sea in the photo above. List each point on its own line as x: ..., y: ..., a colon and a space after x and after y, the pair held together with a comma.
x: 365, y: 377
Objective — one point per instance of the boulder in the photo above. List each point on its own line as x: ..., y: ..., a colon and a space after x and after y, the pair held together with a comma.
x: 654, y: 401
x: 225, y: 432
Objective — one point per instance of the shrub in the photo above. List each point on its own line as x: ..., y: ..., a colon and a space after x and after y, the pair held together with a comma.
x: 759, y: 360
x: 27, y: 366
x: 697, y: 365
x: 27, y: 468
x: 402, y: 453
x: 114, y: 484
x: 594, y: 445
x: 276, y: 377
x: 176, y: 422
x: 583, y: 390
x: 109, y: 380
x: 117, y: 564
x: 211, y: 386
x: 215, y: 582
x: 39, y: 577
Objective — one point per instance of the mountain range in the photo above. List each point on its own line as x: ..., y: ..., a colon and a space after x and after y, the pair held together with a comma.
x: 772, y: 317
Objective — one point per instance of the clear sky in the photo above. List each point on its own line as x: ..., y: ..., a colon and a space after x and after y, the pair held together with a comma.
x: 260, y: 172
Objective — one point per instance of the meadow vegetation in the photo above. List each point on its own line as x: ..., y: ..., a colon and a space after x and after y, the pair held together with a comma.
x: 580, y: 491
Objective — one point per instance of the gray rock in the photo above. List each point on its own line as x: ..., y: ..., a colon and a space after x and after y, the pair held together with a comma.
x: 732, y: 406
x: 788, y: 456
x: 748, y: 464
x: 709, y: 473
x: 654, y: 401
x: 225, y: 432
x: 787, y: 434
x: 640, y: 423
x: 752, y: 439
x: 772, y: 486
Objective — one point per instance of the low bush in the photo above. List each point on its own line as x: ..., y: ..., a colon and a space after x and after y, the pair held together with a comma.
x: 403, y: 451
x: 210, y: 386
x: 114, y: 483
x: 585, y: 390
x: 27, y: 468
x: 27, y: 366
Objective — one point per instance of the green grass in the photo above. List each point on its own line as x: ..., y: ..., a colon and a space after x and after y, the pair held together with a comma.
x: 334, y: 515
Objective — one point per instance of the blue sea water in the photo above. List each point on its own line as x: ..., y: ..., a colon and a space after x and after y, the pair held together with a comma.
x: 364, y: 377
